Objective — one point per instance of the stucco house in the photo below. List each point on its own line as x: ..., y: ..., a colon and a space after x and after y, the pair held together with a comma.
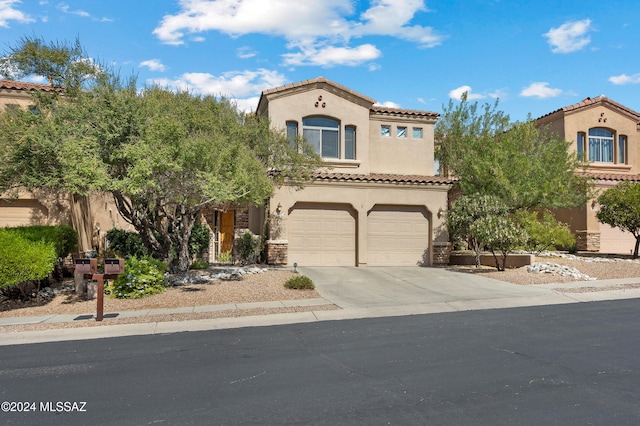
x: 91, y: 216
x: 378, y: 201
x: 606, y: 136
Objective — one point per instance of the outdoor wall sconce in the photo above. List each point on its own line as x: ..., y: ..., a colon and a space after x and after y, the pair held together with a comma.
x: 279, y: 208
x: 440, y: 213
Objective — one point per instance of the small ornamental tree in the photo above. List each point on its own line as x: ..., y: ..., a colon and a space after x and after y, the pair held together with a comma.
x: 500, y: 234
x: 465, y: 211
x: 620, y: 208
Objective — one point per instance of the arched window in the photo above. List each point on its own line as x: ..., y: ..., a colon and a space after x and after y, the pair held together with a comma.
x: 600, y: 145
x: 323, y: 134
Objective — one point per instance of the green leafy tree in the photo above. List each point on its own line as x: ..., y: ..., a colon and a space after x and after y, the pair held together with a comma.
x: 163, y: 155
x: 466, y: 211
x: 500, y: 234
x: 526, y: 166
x: 620, y: 208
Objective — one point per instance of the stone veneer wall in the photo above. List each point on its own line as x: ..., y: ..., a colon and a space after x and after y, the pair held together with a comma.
x: 277, y: 252
x: 441, y: 252
x: 588, y: 241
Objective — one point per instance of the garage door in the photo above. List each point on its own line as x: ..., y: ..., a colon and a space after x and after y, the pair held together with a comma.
x: 322, y: 236
x: 21, y: 212
x: 397, y: 236
x: 613, y: 240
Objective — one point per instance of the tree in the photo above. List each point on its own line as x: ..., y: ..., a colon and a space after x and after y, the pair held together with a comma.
x: 620, y: 208
x: 500, y: 234
x: 467, y: 210
x: 164, y: 155
x: 526, y: 166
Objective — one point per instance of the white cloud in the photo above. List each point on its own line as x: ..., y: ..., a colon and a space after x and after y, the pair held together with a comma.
x: 540, y: 90
x: 457, y: 93
x: 246, y: 52
x: 329, y: 55
x: 625, y: 79
x: 153, y: 65
x: 9, y: 13
x: 569, y: 37
x: 65, y: 8
x: 388, y: 104
x: 308, y: 26
x: 242, y: 86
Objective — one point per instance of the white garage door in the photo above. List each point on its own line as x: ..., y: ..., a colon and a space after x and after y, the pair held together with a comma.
x: 21, y: 213
x: 322, y: 236
x: 397, y: 236
x: 613, y: 240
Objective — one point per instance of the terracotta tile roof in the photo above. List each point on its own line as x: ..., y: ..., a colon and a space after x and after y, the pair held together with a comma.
x: 610, y: 176
x: 377, y: 109
x: 315, y: 81
x: 383, y: 178
x: 20, y: 85
x: 593, y: 101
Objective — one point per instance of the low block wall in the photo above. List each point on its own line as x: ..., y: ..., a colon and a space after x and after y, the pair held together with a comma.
x: 486, y: 259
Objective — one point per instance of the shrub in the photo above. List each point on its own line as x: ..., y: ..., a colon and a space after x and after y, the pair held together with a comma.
x: 63, y: 237
x: 499, y: 234
x: 225, y: 257
x: 142, y: 277
x: 199, y: 264
x: 23, y: 260
x: 126, y: 244
x: 544, y: 231
x: 248, y: 247
x: 199, y: 240
x: 300, y: 282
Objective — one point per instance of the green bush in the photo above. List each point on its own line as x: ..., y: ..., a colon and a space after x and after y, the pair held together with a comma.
x: 300, y: 282
x: 23, y: 260
x: 126, y: 244
x: 199, y: 240
x: 248, y: 247
x: 545, y: 232
x: 63, y: 237
x: 199, y: 264
x: 142, y: 277
x: 225, y: 257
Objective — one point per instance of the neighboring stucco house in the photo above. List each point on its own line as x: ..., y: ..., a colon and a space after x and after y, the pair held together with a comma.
x: 377, y: 203
x: 606, y: 135
x: 91, y: 216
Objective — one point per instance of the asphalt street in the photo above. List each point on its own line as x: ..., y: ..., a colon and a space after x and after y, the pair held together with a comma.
x: 561, y: 364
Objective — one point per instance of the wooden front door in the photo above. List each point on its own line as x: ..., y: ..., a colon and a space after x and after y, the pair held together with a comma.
x: 226, y: 231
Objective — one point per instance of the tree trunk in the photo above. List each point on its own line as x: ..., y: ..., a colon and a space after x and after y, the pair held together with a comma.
x: 635, y: 250
x: 180, y: 257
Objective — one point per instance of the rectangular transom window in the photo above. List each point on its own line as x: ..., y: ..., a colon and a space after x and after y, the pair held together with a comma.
x: 401, y: 132
x: 417, y: 132
x: 385, y: 131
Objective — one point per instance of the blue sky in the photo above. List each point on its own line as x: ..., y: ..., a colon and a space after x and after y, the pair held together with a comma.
x: 535, y: 56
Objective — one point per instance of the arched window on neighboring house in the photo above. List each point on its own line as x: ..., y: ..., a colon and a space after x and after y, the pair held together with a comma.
x: 601, y: 145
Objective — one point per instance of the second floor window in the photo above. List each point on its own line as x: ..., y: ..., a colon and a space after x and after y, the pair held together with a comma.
x: 323, y: 134
x: 600, y: 145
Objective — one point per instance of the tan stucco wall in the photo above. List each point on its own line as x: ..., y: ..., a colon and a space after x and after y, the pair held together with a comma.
x: 362, y: 198
x: 299, y: 105
x: 394, y: 155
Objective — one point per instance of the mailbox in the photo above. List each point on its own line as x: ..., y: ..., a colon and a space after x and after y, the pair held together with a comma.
x: 113, y: 266
x: 86, y: 266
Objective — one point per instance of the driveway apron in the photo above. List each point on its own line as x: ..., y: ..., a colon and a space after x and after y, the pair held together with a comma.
x: 351, y: 287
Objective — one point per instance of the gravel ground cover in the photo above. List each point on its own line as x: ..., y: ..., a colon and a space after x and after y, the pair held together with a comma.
x: 269, y: 286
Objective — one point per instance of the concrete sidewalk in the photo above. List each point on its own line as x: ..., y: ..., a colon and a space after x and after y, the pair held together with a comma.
x: 358, y: 292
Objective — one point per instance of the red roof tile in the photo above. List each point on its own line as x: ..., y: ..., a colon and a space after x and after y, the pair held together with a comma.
x: 383, y: 178
x: 399, y: 111
x: 610, y: 176
x: 20, y: 85
x: 593, y: 101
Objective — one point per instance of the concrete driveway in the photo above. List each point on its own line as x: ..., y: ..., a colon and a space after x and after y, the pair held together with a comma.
x: 350, y: 287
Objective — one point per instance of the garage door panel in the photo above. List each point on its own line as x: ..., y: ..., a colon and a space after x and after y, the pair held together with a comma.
x: 397, y: 236
x: 322, y: 237
x: 22, y: 213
